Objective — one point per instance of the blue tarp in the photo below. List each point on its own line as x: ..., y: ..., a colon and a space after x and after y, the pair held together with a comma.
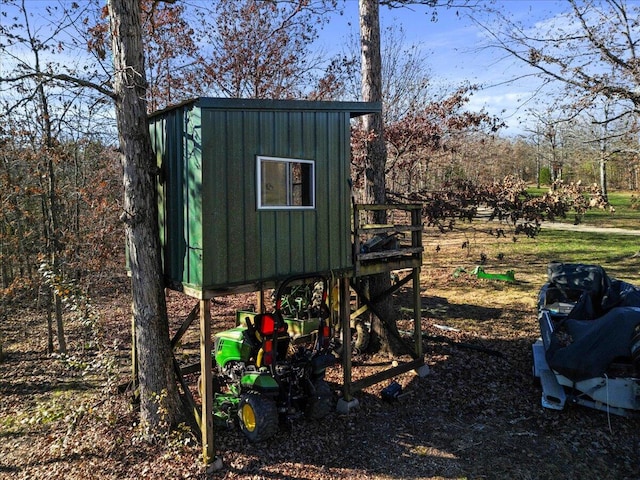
x: 600, y: 326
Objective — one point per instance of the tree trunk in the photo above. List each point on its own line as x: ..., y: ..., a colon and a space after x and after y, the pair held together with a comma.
x: 603, y: 153
x: 51, y: 212
x: 50, y: 296
x: 62, y: 343
x: 371, y: 65
x: 376, y: 159
x: 54, y: 246
x: 538, y: 163
x: 603, y: 173
x: 159, y: 400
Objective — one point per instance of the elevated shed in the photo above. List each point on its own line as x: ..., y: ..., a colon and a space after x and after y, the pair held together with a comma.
x: 252, y: 191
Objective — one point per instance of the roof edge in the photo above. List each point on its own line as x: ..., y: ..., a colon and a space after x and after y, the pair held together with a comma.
x: 355, y: 109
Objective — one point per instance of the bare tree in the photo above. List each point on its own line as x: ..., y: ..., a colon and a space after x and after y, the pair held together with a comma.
x: 375, y: 160
x: 30, y: 75
x: 262, y: 49
x: 591, y: 48
x: 406, y: 79
x: 172, y: 55
x: 127, y: 88
x: 374, y: 142
x: 606, y: 128
x: 440, y: 126
x: 371, y: 73
x: 159, y: 401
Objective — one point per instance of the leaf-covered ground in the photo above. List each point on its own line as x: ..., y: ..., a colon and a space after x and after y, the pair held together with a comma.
x: 477, y: 415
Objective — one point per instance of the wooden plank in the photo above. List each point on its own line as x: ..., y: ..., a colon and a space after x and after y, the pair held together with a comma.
x: 387, y: 266
x: 395, y: 206
x: 359, y: 312
x: 209, y: 294
x: 185, y: 325
x: 388, y: 253
x: 385, y: 375
x: 193, y: 413
x: 417, y: 312
x: 345, y: 309
x: 193, y: 368
x: 372, y: 228
x: 399, y: 258
x: 206, y: 423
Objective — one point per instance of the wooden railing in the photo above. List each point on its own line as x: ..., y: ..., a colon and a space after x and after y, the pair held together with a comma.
x: 394, y: 245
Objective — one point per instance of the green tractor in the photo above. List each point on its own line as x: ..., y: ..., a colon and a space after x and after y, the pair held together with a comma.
x: 262, y: 377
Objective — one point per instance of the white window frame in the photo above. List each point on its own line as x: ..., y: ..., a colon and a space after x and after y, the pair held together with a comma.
x: 288, y: 161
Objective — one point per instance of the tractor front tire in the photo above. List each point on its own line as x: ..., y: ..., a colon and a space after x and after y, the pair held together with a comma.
x: 258, y: 417
x: 320, y: 402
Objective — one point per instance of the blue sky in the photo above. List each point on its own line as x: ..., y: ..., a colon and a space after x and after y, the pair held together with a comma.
x: 452, y: 45
x: 454, y: 54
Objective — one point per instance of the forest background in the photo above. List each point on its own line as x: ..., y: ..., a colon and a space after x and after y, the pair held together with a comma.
x: 61, y: 182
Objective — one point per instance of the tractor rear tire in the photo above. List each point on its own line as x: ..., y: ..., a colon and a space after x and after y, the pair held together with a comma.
x: 320, y: 403
x: 258, y: 417
x: 361, y: 337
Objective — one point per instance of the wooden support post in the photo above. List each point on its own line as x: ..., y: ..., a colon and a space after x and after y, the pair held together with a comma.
x: 193, y: 414
x: 185, y: 325
x: 416, y: 241
x: 345, y: 314
x: 363, y: 296
x: 417, y: 313
x: 206, y: 424
x: 260, y: 299
x: 386, y: 374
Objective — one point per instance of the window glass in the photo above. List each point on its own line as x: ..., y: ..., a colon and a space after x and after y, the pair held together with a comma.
x: 285, y: 183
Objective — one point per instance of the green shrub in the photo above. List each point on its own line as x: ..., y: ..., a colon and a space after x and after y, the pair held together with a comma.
x: 545, y: 176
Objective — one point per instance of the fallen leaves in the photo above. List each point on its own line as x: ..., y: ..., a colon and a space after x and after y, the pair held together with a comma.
x: 477, y: 415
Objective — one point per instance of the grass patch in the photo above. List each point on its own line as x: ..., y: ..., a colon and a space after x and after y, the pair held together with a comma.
x: 527, y: 257
x: 623, y: 217
x: 614, y: 252
x: 526, y: 254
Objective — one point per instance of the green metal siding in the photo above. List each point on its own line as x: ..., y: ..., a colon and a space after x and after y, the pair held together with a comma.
x: 192, y: 194
x: 169, y: 145
x: 213, y: 235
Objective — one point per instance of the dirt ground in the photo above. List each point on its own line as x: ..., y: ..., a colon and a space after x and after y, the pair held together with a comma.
x: 477, y: 415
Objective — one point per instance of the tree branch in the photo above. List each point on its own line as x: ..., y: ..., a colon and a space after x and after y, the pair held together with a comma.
x: 64, y: 78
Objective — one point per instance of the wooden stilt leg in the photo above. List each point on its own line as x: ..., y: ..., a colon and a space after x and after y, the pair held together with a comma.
x: 206, y: 424
x: 345, y: 313
x: 417, y: 312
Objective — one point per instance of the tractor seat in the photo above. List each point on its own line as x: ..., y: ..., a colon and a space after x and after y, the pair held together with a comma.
x: 266, y: 324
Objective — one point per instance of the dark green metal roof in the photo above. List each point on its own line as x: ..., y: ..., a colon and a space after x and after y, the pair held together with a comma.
x: 355, y: 109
